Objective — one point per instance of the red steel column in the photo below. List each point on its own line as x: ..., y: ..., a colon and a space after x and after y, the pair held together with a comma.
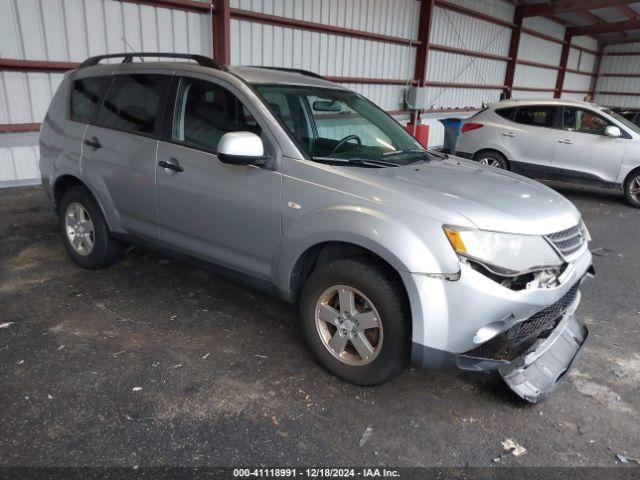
x: 424, y: 30
x: 513, y: 51
x: 596, y: 76
x: 221, y: 24
x: 564, y: 57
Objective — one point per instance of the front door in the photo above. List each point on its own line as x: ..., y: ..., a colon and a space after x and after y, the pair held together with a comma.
x: 227, y: 214
x: 583, y: 151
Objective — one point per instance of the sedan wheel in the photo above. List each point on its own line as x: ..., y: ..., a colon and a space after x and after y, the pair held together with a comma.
x: 634, y: 189
x: 79, y: 228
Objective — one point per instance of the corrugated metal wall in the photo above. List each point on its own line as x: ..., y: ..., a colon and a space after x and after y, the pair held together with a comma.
x: 617, y: 86
x: 71, y: 30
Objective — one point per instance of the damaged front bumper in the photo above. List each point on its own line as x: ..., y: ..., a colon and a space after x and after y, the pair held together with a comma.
x: 535, y: 374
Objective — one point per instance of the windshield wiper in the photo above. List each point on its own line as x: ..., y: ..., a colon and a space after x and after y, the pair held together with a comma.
x: 367, y: 162
x: 431, y: 153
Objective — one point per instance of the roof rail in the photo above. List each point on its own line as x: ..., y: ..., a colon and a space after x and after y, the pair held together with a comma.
x: 128, y: 58
x: 292, y: 70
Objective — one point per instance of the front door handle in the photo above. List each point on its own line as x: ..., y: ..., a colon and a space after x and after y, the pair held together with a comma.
x: 508, y: 134
x: 93, y: 143
x: 172, y: 165
x: 566, y: 142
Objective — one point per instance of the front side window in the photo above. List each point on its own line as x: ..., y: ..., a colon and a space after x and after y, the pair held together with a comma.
x: 133, y: 102
x: 537, y: 116
x: 583, y: 121
x: 340, y: 125
x: 85, y: 97
x: 206, y: 111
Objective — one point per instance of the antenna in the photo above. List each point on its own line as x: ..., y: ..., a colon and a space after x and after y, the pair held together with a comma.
x: 132, y: 49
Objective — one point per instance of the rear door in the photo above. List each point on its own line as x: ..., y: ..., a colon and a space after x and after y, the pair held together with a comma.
x: 530, y: 139
x: 583, y: 151
x: 120, y: 150
x: 226, y: 214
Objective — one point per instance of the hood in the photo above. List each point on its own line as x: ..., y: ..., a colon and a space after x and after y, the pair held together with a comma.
x: 490, y: 198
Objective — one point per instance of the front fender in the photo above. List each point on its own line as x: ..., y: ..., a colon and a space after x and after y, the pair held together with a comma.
x: 418, y: 246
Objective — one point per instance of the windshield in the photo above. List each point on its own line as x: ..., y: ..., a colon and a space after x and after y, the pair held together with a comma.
x: 338, y: 125
x: 626, y: 122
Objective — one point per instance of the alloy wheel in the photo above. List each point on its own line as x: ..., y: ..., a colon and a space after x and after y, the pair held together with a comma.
x: 79, y: 228
x: 349, y: 325
x: 634, y: 188
x: 491, y: 162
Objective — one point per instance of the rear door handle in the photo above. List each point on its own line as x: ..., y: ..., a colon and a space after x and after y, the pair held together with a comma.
x: 172, y: 164
x: 566, y: 142
x: 93, y: 143
x: 508, y: 134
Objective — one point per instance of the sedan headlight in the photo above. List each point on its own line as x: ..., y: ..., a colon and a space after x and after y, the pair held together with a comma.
x: 510, y: 253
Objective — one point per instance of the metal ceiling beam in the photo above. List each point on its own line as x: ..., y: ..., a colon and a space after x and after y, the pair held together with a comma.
x: 589, y: 17
x: 567, y: 6
x: 613, y: 27
x: 628, y: 11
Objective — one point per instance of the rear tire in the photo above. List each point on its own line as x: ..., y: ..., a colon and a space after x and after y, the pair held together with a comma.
x: 367, y: 312
x: 84, y: 230
x: 492, y: 159
x: 632, y: 189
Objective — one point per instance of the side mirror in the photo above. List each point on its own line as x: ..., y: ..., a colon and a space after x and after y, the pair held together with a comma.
x: 241, y: 148
x: 612, y: 131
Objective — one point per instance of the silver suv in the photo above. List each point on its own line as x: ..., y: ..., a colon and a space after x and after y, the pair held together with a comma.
x: 303, y: 188
x: 557, y: 140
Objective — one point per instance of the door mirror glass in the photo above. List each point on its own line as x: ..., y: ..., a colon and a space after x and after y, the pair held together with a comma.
x: 241, y: 148
x: 612, y: 131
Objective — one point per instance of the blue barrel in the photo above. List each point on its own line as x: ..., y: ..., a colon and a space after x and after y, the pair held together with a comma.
x: 452, y: 128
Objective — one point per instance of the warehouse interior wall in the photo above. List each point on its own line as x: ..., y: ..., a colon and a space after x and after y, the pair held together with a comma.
x: 467, y: 62
x: 619, y: 77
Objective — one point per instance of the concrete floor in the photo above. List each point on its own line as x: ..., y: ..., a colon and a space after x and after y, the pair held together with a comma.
x: 225, y: 378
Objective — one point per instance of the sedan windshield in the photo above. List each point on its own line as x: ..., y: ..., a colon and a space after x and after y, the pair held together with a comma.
x: 341, y: 127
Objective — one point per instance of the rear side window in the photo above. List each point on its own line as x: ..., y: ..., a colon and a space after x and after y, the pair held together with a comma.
x: 506, y: 113
x: 540, y: 116
x: 133, y: 102
x: 85, y: 98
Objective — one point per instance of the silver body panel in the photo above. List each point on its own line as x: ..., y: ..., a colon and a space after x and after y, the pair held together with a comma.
x: 260, y: 221
x: 554, y: 153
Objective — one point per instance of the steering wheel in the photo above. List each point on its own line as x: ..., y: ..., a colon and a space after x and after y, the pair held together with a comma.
x: 345, y: 140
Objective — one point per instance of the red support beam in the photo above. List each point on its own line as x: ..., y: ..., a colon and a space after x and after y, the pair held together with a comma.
x: 627, y: 11
x: 594, y: 79
x: 19, y: 127
x: 533, y: 89
x: 543, y: 36
x: 35, y: 65
x: 476, y: 86
x: 221, y: 24
x: 612, y: 27
x: 630, y: 53
x: 537, y: 64
x: 189, y: 5
x: 368, y: 80
x: 630, y: 94
x: 424, y: 30
x: 579, y: 72
x: 564, y: 58
x: 618, y: 75
x: 513, y: 51
x: 470, y: 53
x: 315, y: 27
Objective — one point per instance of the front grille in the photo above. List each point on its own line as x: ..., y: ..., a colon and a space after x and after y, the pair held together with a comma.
x: 568, y: 241
x: 543, y: 320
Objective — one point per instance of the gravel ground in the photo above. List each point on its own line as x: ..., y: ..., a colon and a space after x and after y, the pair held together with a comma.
x: 152, y: 362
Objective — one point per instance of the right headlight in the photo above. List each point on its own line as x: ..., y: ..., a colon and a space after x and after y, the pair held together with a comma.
x: 510, y: 253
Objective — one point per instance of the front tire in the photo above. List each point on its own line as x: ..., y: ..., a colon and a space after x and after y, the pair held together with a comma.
x: 632, y: 189
x: 492, y: 159
x: 84, y: 230
x: 356, y: 321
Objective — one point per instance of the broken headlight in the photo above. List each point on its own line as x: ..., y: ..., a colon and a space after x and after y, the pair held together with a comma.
x: 503, y: 253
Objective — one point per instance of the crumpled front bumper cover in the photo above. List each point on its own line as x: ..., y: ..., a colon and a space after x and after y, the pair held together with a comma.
x: 535, y: 374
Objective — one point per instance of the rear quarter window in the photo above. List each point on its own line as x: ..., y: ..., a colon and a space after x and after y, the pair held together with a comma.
x: 537, y: 116
x: 506, y: 112
x: 85, y: 98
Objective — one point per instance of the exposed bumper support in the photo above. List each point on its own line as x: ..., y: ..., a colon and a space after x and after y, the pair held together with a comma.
x: 537, y: 373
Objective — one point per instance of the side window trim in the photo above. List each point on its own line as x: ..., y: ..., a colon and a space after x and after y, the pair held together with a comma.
x: 159, y: 122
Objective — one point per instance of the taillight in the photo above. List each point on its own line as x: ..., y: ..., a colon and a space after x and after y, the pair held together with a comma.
x: 467, y: 127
